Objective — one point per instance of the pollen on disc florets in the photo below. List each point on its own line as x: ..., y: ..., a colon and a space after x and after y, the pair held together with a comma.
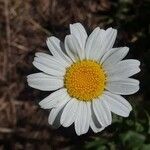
x: 85, y: 80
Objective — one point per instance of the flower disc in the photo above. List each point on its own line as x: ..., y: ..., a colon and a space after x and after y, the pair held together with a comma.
x: 85, y: 80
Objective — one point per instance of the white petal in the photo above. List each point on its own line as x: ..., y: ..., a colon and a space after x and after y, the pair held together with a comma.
x: 94, y: 123
x: 123, y: 69
x: 56, y: 112
x: 44, y: 82
x: 123, y: 86
x: 46, y: 69
x: 109, y: 39
x: 102, y: 111
x: 99, y: 42
x: 50, y: 58
x: 53, y: 99
x: 90, y: 41
x: 100, y: 50
x: 49, y: 65
x: 69, y: 113
x: 114, y: 55
x: 79, y: 32
x: 82, y: 118
x: 118, y: 104
x: 95, y: 128
x: 94, y: 44
x: 87, y: 118
x: 73, y: 48
x: 56, y: 47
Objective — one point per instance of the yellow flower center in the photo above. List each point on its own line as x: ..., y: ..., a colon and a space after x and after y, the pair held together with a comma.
x: 85, y: 80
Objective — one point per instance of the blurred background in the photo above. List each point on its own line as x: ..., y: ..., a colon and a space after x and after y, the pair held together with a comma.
x: 24, y: 27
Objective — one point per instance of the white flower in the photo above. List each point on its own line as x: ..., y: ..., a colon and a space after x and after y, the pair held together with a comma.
x: 87, y: 77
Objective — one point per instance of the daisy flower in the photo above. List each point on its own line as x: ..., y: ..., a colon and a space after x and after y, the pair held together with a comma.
x: 87, y: 78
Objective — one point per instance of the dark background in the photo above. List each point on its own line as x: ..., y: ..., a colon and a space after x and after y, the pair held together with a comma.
x: 24, y: 27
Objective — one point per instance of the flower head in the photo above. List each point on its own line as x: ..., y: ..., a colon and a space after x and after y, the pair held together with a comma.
x: 87, y: 77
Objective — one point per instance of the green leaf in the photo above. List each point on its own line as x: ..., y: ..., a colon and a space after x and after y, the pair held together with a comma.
x: 133, y: 139
x: 97, y: 143
x: 139, y: 127
x: 148, y: 118
x: 112, y: 146
x: 146, y: 147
